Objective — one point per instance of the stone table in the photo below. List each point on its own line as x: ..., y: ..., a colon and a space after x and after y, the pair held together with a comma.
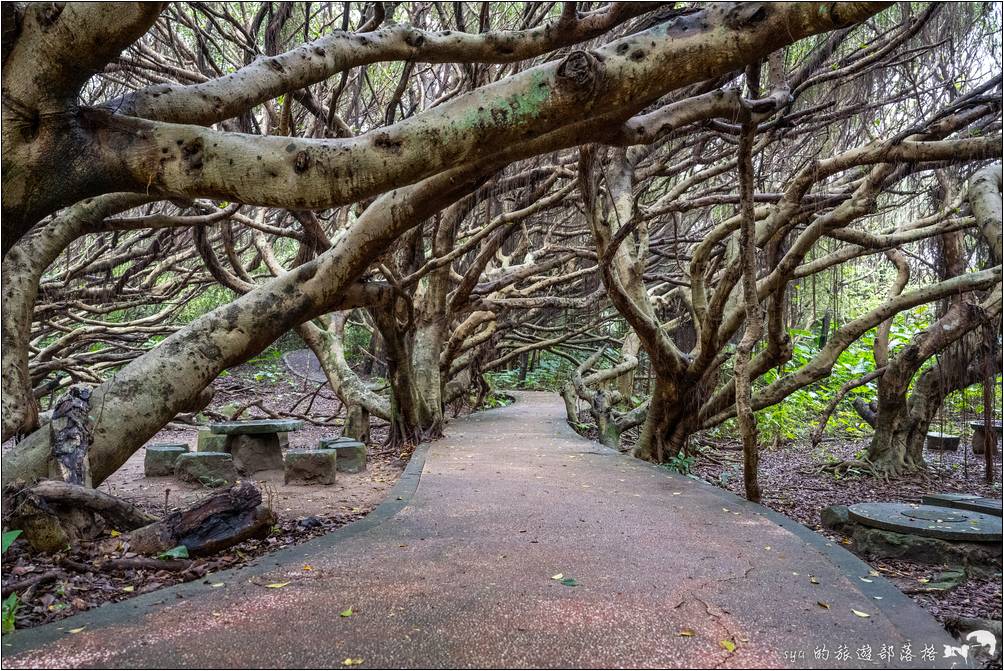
x: 255, y: 443
x: 951, y: 524
x: 980, y: 435
x: 972, y: 502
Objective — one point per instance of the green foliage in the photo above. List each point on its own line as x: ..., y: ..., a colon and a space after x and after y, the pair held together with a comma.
x: 213, y: 297
x: 10, y: 606
x: 8, y: 538
x: 496, y: 400
x: 179, y: 552
x: 680, y: 463
x: 550, y: 374
x: 797, y: 415
x: 356, y: 341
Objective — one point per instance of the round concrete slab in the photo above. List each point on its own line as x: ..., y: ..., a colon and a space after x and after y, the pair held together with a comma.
x: 253, y: 426
x: 965, y: 502
x: 951, y: 524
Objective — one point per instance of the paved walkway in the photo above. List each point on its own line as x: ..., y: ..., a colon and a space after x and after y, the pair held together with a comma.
x: 455, y: 570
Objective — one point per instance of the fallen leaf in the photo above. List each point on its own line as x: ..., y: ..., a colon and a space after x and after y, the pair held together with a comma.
x: 823, y: 604
x: 277, y: 585
x: 728, y: 645
x: 347, y: 612
x: 308, y: 567
x: 78, y: 629
x: 814, y: 580
x: 352, y: 661
x: 859, y: 613
x: 557, y: 576
x: 128, y: 588
x: 114, y: 534
x: 217, y: 584
x: 685, y: 632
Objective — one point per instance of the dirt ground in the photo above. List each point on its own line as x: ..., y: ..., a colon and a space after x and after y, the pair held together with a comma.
x: 57, y: 585
x: 793, y: 484
x: 351, y: 492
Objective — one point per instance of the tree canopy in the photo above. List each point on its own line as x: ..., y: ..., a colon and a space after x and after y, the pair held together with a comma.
x: 698, y: 210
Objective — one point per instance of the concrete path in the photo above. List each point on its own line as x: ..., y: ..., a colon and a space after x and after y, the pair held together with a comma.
x: 455, y: 570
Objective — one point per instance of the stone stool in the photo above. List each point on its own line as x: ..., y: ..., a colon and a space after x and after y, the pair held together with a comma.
x: 211, y: 469
x: 160, y: 458
x: 308, y: 467
x: 351, y: 453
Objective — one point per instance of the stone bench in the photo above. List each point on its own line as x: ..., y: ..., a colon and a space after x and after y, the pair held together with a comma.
x: 160, y: 458
x: 942, y: 442
x: 980, y: 435
x: 256, y: 444
x: 210, y: 469
x: 310, y: 467
x: 208, y: 441
x: 351, y: 453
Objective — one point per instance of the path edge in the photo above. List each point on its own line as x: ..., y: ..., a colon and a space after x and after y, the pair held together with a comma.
x: 896, y: 606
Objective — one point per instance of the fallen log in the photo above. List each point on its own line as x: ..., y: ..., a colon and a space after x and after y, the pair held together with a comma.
x: 215, y: 523
x: 55, y: 514
x: 31, y: 582
x: 128, y: 564
x: 121, y: 514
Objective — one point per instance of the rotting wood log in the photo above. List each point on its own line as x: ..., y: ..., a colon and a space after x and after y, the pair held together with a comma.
x: 119, y: 513
x: 55, y: 514
x: 215, y: 523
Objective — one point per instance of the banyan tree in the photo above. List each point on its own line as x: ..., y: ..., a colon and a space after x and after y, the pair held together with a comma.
x: 632, y: 187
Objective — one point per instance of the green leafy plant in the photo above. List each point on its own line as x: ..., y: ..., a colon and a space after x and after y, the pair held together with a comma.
x: 179, y: 552
x: 8, y: 539
x: 11, y: 603
x: 681, y: 463
x: 10, y: 606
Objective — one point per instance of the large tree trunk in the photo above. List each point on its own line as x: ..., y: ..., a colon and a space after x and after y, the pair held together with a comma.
x: 406, y: 426
x: 897, y: 446
x: 671, y: 419
x: 901, y: 422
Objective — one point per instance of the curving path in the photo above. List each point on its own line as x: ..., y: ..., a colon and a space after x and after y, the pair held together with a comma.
x: 455, y: 570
